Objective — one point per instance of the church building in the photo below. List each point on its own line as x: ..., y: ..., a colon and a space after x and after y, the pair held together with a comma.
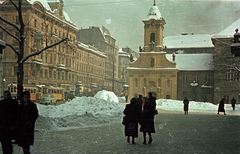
x: 152, y: 71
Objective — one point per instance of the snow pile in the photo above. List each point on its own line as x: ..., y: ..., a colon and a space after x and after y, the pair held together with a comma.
x: 80, y: 112
x: 107, y: 95
x: 177, y: 105
x: 122, y: 99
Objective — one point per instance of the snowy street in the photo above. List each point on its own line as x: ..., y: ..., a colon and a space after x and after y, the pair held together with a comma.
x: 175, y: 133
x: 92, y: 125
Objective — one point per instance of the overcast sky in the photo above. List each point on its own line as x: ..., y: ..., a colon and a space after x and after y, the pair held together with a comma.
x: 124, y: 17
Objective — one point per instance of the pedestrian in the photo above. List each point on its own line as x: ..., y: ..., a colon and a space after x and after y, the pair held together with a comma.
x: 185, y: 105
x: 221, y: 106
x: 9, y: 114
x: 233, y: 101
x: 131, y: 125
x: 152, y: 100
x: 139, y: 103
x: 28, y: 114
x: 147, y: 120
x: 126, y: 98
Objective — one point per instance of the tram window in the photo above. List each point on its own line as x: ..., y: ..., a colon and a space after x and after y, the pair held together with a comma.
x: 57, y: 91
x: 34, y: 91
x: 9, y: 89
x: 31, y: 90
x: 49, y: 90
x: 15, y: 89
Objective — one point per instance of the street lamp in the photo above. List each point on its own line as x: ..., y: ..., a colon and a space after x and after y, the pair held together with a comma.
x: 2, y: 46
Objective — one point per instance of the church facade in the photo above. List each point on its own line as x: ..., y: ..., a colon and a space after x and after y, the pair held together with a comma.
x: 152, y: 71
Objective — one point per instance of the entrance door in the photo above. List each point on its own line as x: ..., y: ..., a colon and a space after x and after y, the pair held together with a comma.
x: 207, y: 98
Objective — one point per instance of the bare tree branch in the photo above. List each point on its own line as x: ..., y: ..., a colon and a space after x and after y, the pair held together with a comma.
x: 10, y: 23
x: 17, y: 8
x: 39, y: 52
x: 9, y: 33
x: 14, y: 49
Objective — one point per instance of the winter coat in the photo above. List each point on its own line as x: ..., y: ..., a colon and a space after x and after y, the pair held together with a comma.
x: 131, y: 125
x: 221, y: 106
x: 147, y: 118
x: 29, y: 115
x: 9, y: 114
x: 152, y: 101
x: 233, y: 101
x: 185, y: 104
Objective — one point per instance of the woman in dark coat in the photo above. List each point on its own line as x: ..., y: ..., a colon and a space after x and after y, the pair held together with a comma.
x: 147, y: 120
x: 185, y: 105
x: 132, y: 116
x: 221, y: 106
x: 29, y: 115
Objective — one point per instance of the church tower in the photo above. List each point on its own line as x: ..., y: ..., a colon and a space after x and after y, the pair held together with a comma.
x: 153, y: 30
x: 152, y: 71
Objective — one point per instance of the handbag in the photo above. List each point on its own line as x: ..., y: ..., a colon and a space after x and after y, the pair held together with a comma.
x: 155, y: 112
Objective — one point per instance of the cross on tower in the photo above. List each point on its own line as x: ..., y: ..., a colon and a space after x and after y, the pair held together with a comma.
x: 154, y: 3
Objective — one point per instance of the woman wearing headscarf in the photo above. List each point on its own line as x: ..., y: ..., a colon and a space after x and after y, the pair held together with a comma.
x: 131, y: 124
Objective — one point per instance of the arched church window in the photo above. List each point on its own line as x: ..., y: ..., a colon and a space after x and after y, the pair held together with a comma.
x: 152, y: 62
x: 152, y: 37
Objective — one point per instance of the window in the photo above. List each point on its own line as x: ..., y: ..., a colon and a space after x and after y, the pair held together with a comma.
x: 17, y: 34
x: 58, y: 75
x: 152, y: 37
x: 46, y: 73
x: 1, y: 35
x: 17, y: 20
x: 69, y: 77
x: 66, y: 62
x: 72, y: 77
x: 62, y: 77
x: 195, y: 77
x: 207, y: 76
x: 184, y: 77
x: 54, y: 74
x: 66, y: 76
x: 159, y: 82
x: 152, y: 62
x: 41, y: 74
x: 15, y: 70
x: 50, y: 73
x: 35, y: 23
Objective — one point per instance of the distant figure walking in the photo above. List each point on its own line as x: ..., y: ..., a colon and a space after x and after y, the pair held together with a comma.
x: 147, y: 120
x: 126, y: 98
x: 221, y: 106
x: 233, y: 101
x: 185, y: 105
x: 131, y: 124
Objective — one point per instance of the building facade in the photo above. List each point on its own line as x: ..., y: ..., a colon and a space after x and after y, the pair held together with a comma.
x: 152, y: 71
x: 59, y: 68
x: 104, y: 42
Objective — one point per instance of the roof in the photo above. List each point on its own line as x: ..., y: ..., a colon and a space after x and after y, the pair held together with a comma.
x: 188, y: 40
x: 192, y: 62
x: 153, y: 13
x: 229, y: 31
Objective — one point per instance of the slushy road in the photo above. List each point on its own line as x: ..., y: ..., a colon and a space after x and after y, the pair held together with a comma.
x: 176, y: 133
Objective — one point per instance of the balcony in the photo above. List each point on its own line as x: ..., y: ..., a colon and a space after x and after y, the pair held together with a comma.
x: 61, y: 67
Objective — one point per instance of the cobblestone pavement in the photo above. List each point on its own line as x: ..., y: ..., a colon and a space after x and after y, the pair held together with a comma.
x: 176, y: 133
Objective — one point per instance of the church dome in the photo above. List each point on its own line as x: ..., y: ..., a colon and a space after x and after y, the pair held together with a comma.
x: 153, y: 13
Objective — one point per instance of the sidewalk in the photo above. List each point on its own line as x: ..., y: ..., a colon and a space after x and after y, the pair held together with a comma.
x: 176, y: 133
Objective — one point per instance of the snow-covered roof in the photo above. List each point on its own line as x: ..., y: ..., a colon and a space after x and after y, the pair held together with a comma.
x: 187, y: 41
x: 47, y: 7
x: 153, y: 13
x: 192, y: 62
x: 229, y: 31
